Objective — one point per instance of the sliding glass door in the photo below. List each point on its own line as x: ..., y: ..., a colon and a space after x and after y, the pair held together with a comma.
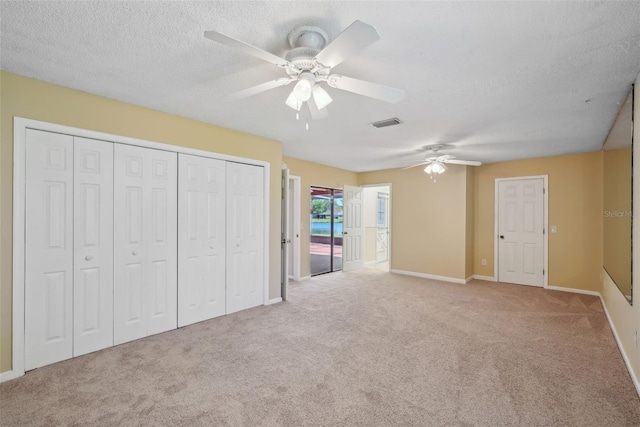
x: 326, y: 230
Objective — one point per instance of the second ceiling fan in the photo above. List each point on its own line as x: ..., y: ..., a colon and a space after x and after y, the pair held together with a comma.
x: 309, y: 63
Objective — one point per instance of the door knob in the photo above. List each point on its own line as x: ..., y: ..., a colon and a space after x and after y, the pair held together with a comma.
x: 88, y: 257
x: 134, y: 253
x: 501, y: 236
x: 211, y: 247
x: 344, y: 232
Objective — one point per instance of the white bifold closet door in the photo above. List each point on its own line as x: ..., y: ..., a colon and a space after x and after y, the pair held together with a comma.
x: 201, y: 238
x: 68, y: 252
x: 145, y: 235
x: 245, y: 224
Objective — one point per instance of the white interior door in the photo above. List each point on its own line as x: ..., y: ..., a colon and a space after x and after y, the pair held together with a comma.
x: 145, y: 273
x: 285, y: 241
x: 93, y: 246
x: 201, y: 238
x: 353, y: 229
x: 49, y: 248
x: 245, y: 207
x: 521, y: 231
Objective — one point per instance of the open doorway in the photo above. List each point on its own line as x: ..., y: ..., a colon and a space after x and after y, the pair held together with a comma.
x: 377, y: 226
x: 325, y: 249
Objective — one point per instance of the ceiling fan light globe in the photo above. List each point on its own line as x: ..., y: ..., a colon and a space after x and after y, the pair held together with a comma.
x: 321, y: 97
x: 438, y: 168
x: 429, y: 169
x: 293, y: 102
x: 302, y: 90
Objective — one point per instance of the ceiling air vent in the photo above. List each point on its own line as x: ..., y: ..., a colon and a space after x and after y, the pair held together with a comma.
x: 388, y: 122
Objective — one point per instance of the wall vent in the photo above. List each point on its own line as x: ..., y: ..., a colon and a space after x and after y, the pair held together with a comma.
x: 388, y: 122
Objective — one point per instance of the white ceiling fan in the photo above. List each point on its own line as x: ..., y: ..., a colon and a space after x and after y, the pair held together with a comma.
x: 309, y: 63
x: 437, y: 165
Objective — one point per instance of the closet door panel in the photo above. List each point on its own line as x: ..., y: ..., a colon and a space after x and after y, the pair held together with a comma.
x: 49, y: 249
x: 201, y: 241
x: 145, y: 288
x: 245, y: 207
x: 93, y: 246
x: 163, y: 241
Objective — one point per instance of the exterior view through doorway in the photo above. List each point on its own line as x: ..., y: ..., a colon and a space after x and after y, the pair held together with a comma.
x: 326, y: 213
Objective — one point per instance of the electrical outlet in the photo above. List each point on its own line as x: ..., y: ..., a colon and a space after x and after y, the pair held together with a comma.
x: 484, y: 262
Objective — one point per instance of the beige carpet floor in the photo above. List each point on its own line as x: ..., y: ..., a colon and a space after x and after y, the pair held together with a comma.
x: 366, y: 348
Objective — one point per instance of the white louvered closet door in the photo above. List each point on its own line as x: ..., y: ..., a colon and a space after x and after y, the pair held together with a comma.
x: 145, y: 271
x: 201, y: 238
x: 245, y: 224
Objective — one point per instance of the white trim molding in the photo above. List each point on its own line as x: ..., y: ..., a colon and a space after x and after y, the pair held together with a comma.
x: 486, y: 278
x: 274, y: 301
x: 625, y: 357
x: 20, y: 126
x: 573, y: 290
x: 7, y: 375
x: 430, y: 276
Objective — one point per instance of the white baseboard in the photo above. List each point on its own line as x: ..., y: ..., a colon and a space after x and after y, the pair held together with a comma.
x: 304, y: 278
x: 574, y: 290
x: 274, y: 301
x: 430, y: 276
x: 627, y: 362
x: 7, y: 375
x: 366, y: 264
x: 487, y: 278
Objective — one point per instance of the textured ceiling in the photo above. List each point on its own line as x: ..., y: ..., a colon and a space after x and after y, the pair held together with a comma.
x: 494, y: 81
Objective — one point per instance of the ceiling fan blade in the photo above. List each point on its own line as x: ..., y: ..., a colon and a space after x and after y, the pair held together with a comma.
x: 462, y: 162
x: 254, y: 90
x: 361, y: 87
x: 416, y: 165
x: 316, y: 114
x: 356, y: 37
x: 246, y: 48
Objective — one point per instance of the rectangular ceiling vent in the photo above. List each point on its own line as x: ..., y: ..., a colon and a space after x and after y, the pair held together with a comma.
x: 388, y: 122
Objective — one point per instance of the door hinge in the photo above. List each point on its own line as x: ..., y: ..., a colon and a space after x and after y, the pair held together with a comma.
x: 544, y: 231
x: 543, y: 271
x: 544, y: 190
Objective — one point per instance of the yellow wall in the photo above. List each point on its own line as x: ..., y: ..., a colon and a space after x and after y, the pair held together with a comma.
x: 625, y: 318
x: 427, y: 220
x: 32, y: 99
x: 314, y: 174
x: 470, y: 223
x: 575, y: 208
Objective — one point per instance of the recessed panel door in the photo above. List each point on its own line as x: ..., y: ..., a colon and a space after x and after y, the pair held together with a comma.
x: 352, y: 243
x: 201, y: 238
x: 49, y: 248
x: 93, y: 246
x: 145, y: 237
x: 521, y: 231
x: 245, y: 224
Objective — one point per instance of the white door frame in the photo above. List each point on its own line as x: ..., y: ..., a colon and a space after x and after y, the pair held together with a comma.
x: 294, y: 184
x: 20, y: 126
x: 545, y: 226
